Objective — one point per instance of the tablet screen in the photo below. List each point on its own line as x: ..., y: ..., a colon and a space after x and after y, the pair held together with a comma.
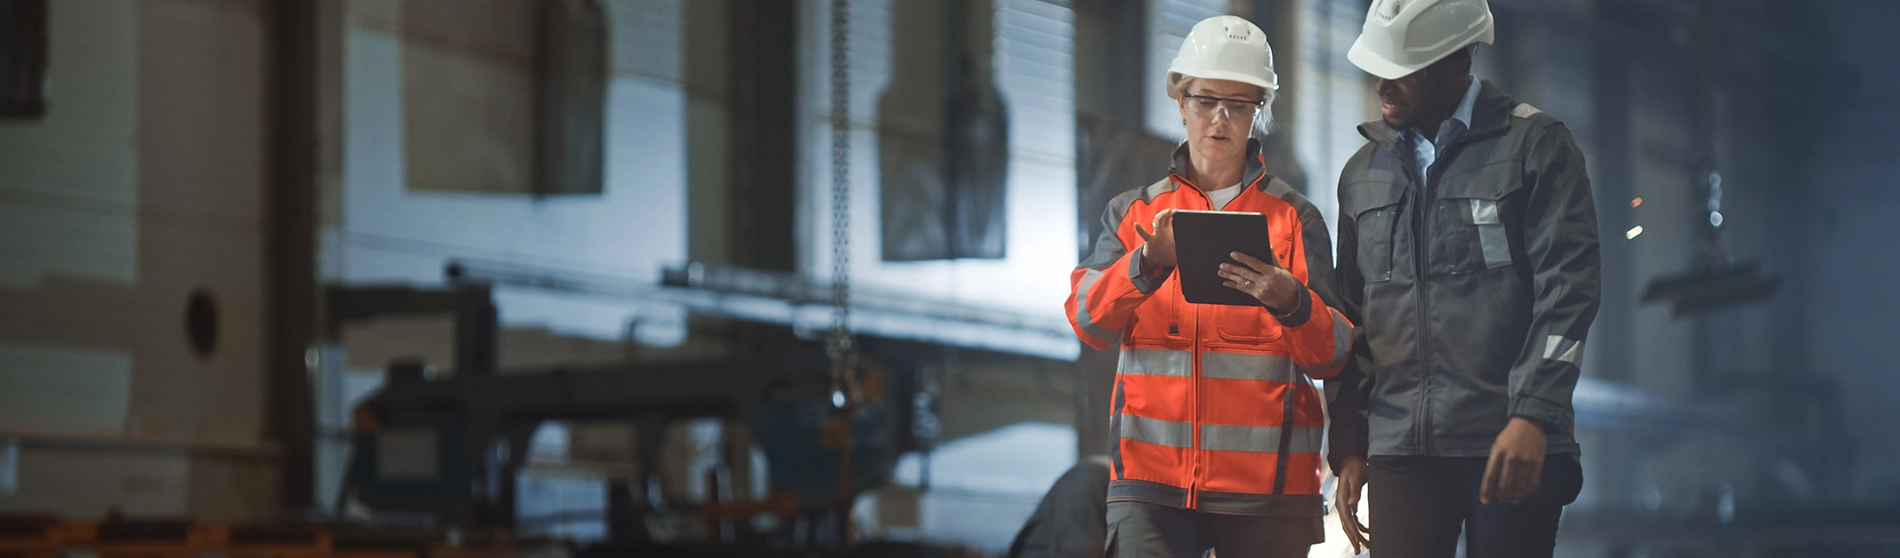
x: 1203, y: 240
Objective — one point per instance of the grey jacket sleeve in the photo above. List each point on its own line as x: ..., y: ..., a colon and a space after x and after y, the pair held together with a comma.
x: 1347, y: 393
x: 1559, y: 239
x: 1316, y: 248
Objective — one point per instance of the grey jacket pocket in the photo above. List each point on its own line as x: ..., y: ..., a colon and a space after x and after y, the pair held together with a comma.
x: 1377, y: 221
x: 1492, y: 244
x: 1472, y: 221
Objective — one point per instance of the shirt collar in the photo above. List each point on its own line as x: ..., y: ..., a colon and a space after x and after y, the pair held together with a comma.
x: 1256, y: 164
x: 1462, y: 116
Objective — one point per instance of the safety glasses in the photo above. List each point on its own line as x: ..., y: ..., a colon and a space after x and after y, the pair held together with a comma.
x: 1237, y: 110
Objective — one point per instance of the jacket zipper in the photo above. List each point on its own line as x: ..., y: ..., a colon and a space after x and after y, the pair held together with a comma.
x: 1427, y: 196
x: 1194, y: 395
x: 1421, y: 226
x: 1422, y: 255
x: 1420, y: 249
x: 1194, y: 422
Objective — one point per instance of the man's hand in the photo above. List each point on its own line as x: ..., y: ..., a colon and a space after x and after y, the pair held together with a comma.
x: 1269, y: 283
x: 1159, y: 248
x: 1517, y: 463
x: 1352, y: 480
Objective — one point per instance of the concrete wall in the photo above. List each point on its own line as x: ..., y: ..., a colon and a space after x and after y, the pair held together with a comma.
x: 144, y: 182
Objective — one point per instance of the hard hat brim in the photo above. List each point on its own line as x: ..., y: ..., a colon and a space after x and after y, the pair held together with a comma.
x: 1242, y: 77
x: 1377, y: 65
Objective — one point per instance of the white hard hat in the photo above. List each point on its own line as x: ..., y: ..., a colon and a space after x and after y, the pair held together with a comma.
x: 1402, y: 36
x: 1226, y: 47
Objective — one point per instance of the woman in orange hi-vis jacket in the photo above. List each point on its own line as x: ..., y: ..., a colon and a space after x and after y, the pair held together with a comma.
x: 1216, y: 426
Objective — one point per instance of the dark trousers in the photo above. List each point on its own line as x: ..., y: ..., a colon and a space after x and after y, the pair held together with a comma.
x: 1419, y: 505
x: 1139, y: 529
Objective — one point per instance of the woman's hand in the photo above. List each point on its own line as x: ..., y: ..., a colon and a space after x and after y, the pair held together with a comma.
x: 1158, y: 249
x: 1269, y: 283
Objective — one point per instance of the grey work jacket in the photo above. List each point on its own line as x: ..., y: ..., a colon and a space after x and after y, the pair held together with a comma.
x: 1473, y: 296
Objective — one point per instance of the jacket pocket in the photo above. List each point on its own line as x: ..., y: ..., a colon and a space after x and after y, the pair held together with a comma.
x: 1158, y: 319
x: 1251, y: 324
x: 1492, y: 245
x: 1471, y: 220
x: 1246, y: 324
x: 1377, y: 228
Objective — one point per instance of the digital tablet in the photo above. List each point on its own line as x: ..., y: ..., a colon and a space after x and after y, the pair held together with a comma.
x: 1203, y: 240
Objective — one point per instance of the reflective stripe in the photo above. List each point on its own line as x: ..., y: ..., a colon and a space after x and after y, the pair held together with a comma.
x: 1485, y: 212
x: 1491, y: 239
x: 1262, y: 439
x: 1497, y: 250
x: 1156, y: 362
x: 1556, y: 347
x: 1276, y: 368
x: 1115, y: 430
x: 1157, y: 431
x: 1134, y: 272
x: 1342, y: 345
x: 1082, y: 308
x: 1237, y: 366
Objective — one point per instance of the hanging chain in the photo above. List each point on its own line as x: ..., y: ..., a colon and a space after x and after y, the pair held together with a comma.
x: 843, y: 354
x: 844, y: 385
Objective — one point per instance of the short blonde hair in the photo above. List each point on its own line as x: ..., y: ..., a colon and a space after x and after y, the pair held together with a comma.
x: 1178, y: 85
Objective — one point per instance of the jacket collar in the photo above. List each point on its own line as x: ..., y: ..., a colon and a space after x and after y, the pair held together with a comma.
x: 1490, y: 114
x: 1256, y: 166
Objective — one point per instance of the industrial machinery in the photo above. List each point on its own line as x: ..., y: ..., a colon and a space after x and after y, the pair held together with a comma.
x: 453, y: 447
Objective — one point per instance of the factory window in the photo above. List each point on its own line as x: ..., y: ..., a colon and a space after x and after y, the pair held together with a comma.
x: 570, y: 96
x: 943, y: 141
x: 977, y: 90
x: 22, y: 58
x: 1032, y: 55
x: 201, y: 323
x: 502, y: 96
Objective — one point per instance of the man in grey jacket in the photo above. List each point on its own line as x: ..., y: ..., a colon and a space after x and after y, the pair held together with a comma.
x: 1468, y: 255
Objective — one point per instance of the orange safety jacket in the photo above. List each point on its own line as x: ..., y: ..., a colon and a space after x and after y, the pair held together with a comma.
x: 1212, y: 408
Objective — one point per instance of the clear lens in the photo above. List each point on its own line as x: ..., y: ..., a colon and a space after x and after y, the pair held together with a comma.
x: 1232, y: 110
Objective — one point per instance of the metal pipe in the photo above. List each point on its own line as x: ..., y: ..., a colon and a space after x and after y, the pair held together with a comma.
x: 291, y: 287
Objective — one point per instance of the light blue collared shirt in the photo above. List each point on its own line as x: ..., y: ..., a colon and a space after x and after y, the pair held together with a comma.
x: 1426, y: 152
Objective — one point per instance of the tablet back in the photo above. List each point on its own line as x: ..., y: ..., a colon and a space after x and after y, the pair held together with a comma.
x: 1202, y: 240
